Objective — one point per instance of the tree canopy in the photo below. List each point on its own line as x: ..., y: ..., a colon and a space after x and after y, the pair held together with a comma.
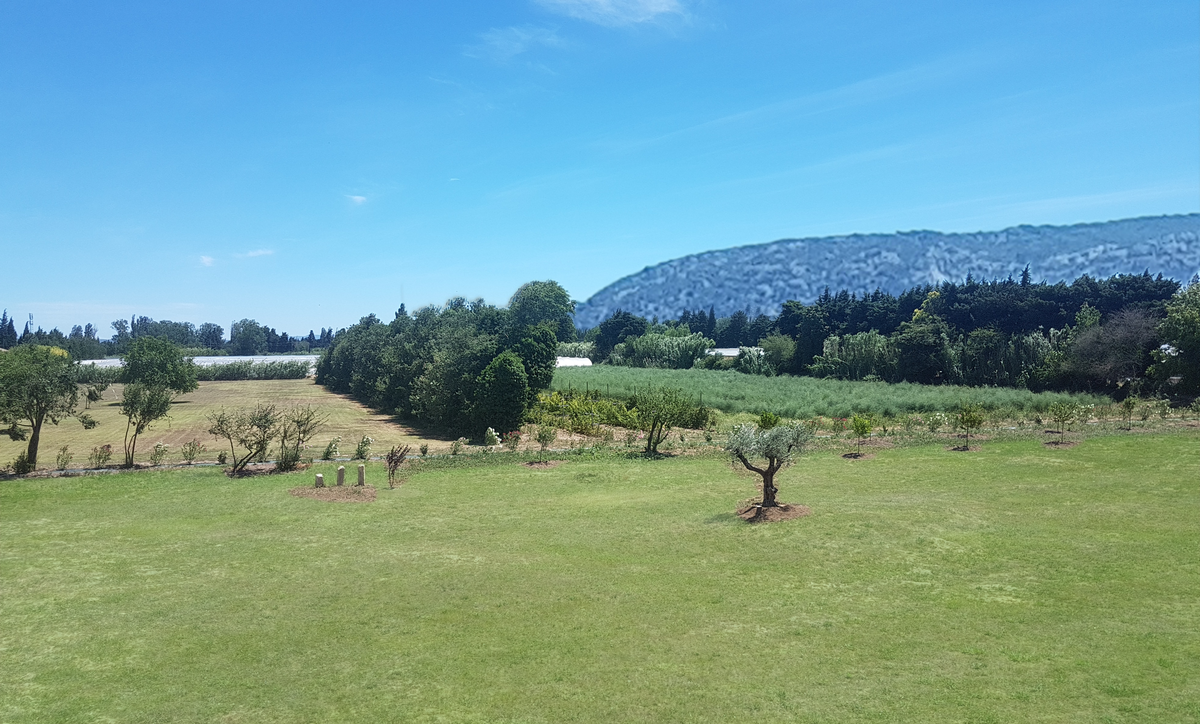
x: 546, y: 302
x: 157, y: 362
x: 37, y: 385
x: 766, y: 452
x: 433, y: 365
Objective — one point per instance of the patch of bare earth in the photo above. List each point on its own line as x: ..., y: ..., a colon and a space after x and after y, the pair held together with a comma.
x: 858, y: 456
x: 776, y: 514
x: 1061, y: 443
x: 337, y: 494
x: 961, y: 448
x: 544, y: 464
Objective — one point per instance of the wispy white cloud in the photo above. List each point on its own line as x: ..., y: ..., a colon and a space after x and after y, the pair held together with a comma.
x: 357, y: 200
x: 256, y: 252
x: 614, y: 13
x: 859, y: 93
x: 207, y: 260
x: 1114, y: 201
x: 504, y: 44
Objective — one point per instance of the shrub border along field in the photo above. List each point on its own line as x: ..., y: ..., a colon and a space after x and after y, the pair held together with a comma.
x: 807, y: 397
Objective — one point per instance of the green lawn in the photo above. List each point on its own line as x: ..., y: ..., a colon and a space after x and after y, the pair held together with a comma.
x: 1016, y: 584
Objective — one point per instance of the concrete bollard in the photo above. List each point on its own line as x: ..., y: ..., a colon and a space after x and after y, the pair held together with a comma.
x: 362, y: 475
x: 320, y: 481
x: 341, y: 475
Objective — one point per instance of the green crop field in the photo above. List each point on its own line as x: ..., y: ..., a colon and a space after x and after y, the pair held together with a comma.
x: 1020, y: 583
x: 804, y: 397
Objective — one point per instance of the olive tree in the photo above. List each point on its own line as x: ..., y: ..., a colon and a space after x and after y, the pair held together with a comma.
x: 37, y: 385
x: 766, y: 452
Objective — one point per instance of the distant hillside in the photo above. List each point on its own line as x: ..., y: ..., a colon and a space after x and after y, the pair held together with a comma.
x: 759, y: 278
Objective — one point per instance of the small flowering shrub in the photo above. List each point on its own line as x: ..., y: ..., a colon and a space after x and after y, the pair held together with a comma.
x: 331, y: 450
x: 490, y: 438
x: 191, y: 450
x: 100, y: 456
x: 363, y: 450
x: 424, y: 449
x: 838, y: 424
x: 512, y: 440
x: 63, y: 460
x: 456, y: 447
x: 159, y: 453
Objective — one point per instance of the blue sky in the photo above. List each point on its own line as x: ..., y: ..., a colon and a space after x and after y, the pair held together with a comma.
x: 305, y: 164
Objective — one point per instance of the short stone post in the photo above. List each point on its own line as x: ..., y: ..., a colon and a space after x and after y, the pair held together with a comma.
x: 341, y: 475
x: 362, y: 475
x: 320, y: 481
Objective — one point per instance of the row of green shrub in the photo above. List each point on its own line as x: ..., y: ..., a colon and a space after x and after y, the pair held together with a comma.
x: 234, y: 371
x: 90, y: 374
x: 804, y: 397
x: 584, y: 411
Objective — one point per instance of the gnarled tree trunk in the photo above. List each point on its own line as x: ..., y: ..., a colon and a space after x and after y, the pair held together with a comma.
x: 769, y: 489
x: 768, y: 479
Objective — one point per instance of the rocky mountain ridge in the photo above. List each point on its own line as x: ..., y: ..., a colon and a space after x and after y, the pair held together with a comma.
x: 759, y: 278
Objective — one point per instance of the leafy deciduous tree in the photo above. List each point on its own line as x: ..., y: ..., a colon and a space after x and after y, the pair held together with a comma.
x: 501, y: 393
x: 544, y: 302
x: 158, y: 362
x: 969, y: 417
x: 37, y: 384
x: 862, y: 425
x: 252, y: 430
x: 142, y: 404
x: 658, y: 412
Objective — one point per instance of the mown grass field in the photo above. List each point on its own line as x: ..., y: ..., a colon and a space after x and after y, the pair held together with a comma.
x: 188, y: 420
x: 1019, y: 583
x: 804, y: 397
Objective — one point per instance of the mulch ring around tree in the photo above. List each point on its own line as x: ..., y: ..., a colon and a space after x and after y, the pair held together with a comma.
x: 859, y: 456
x: 544, y: 464
x: 1061, y: 443
x: 781, y: 512
x: 337, y: 494
x: 962, y: 448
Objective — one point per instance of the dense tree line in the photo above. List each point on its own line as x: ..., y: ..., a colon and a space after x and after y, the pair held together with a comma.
x: 462, y: 367
x: 247, y: 337
x: 1089, y: 334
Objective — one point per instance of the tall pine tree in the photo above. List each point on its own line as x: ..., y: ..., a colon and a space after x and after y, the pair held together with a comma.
x: 8, y: 332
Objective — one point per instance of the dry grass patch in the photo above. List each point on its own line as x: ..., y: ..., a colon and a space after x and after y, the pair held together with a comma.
x: 347, y: 419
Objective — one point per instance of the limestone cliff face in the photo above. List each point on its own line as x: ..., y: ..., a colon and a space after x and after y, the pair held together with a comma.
x: 759, y: 278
